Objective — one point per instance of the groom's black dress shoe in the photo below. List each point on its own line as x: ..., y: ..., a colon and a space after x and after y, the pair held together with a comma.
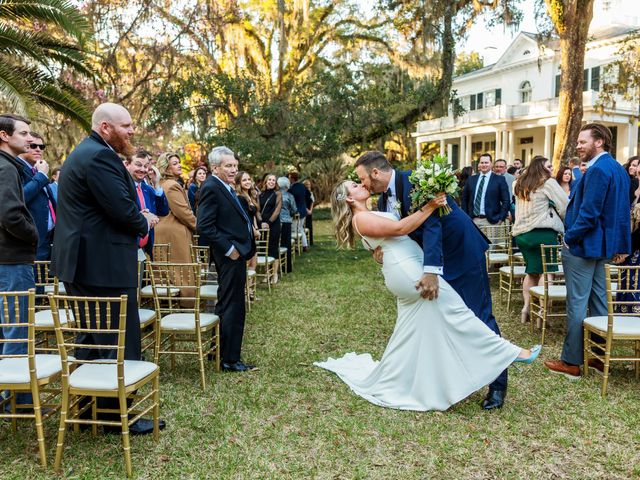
x: 494, y: 399
x: 237, y: 367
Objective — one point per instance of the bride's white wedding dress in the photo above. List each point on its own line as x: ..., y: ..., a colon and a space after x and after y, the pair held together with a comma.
x: 439, y: 352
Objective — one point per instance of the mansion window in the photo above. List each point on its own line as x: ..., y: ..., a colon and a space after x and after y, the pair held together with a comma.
x: 525, y: 91
x: 486, y: 99
x: 590, y: 80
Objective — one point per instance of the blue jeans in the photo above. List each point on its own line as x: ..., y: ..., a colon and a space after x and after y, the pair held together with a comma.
x: 15, y: 278
x: 586, y: 287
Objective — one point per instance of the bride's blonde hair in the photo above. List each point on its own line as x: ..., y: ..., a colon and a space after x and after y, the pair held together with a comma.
x: 342, y: 216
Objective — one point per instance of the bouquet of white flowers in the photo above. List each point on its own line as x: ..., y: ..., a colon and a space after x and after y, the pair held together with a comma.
x: 431, y: 177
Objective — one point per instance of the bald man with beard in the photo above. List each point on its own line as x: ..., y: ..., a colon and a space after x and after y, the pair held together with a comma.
x: 98, y: 226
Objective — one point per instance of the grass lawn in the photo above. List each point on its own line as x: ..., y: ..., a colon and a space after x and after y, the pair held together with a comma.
x: 289, y: 419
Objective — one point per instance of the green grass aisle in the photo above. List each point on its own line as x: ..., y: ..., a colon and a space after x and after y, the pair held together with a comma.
x: 289, y: 419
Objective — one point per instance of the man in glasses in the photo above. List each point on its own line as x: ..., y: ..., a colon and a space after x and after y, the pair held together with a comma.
x: 38, y: 195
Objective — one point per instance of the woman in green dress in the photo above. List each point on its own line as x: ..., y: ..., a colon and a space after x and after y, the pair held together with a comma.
x: 540, y: 207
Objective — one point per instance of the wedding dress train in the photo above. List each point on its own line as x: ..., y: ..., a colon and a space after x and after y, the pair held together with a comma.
x: 439, y: 352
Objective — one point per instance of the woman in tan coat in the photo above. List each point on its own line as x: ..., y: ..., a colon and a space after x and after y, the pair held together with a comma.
x: 176, y: 228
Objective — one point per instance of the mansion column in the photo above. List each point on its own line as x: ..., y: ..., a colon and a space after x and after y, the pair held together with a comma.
x: 632, y: 139
x: 442, y: 147
x: 462, y: 153
x: 467, y: 158
x: 498, y: 139
x: 511, y: 147
x: 547, y: 142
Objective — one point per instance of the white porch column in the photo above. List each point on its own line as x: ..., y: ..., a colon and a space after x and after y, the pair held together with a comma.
x: 418, y: 143
x: 467, y: 158
x: 498, y: 139
x: 442, y: 152
x: 632, y: 139
x: 462, y: 152
x: 511, y: 147
x: 450, y: 153
x: 547, y: 141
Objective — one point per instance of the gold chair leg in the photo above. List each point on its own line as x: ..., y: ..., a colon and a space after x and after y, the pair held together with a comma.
x: 217, y: 343
x: 124, y: 420
x: 64, y: 408
x: 200, y: 357
x: 37, y: 410
x: 156, y: 408
x: 14, y: 420
x: 94, y: 416
x: 585, y: 352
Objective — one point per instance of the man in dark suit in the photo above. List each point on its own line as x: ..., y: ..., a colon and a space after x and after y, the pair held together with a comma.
x: 485, y: 197
x: 226, y: 228
x: 148, y: 198
x: 99, y: 223
x: 597, y: 230
x: 453, y: 248
x: 38, y: 195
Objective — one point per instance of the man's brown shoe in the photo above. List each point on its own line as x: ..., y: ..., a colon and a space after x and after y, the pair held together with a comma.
x: 596, y: 364
x: 558, y: 366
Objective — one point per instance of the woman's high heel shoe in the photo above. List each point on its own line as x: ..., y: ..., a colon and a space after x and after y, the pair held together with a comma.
x: 535, y: 351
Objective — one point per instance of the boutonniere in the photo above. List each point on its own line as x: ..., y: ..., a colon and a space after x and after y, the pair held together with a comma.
x: 396, y: 207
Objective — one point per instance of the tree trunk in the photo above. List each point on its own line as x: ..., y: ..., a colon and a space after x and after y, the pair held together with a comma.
x: 441, y: 108
x: 571, y: 19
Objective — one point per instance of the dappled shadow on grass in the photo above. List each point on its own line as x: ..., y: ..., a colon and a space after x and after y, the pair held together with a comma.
x: 290, y: 419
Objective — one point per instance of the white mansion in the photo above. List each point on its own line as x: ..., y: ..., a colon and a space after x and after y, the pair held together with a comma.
x: 511, y: 107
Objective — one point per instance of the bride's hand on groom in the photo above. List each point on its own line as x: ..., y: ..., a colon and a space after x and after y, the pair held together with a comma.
x: 437, y: 202
x: 377, y: 255
x: 428, y: 286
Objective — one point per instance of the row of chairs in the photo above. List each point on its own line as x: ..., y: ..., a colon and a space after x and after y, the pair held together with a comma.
x: 548, y: 300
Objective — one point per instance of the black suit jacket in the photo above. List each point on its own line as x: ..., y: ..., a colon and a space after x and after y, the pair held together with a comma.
x: 98, y: 220
x: 222, y: 222
x: 496, y: 199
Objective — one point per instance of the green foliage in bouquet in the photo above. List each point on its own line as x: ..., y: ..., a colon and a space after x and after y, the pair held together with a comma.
x: 431, y: 177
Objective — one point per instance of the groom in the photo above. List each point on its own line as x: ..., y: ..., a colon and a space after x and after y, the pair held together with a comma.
x: 453, y: 248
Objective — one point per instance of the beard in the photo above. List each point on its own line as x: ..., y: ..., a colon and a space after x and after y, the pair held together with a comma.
x: 588, y: 153
x: 121, y: 145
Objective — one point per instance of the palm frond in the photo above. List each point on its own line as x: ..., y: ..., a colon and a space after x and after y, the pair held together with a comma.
x: 59, y: 99
x: 13, y: 89
x: 15, y: 42
x: 59, y: 12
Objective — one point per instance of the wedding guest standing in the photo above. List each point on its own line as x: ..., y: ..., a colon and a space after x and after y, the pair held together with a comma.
x: 270, y: 204
x: 18, y: 233
x: 199, y: 176
x: 310, y: 201
x: 298, y: 191
x: 540, y: 209
x: 485, y: 197
x: 249, y: 200
x: 564, y: 177
x: 225, y: 227
x: 287, y: 213
x: 597, y: 231
x: 53, y: 185
x: 632, y: 169
x: 178, y: 226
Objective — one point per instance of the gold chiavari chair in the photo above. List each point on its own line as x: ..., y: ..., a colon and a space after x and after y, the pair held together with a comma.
x: 161, y: 253
x: 209, y: 287
x: 621, y: 324
x: 45, y: 283
x: 25, y: 373
x: 511, y: 276
x: 181, y: 319
x: 296, y: 236
x: 498, y: 253
x: 549, y: 299
x: 148, y: 316
x: 282, y: 256
x: 265, y: 267
x: 110, y: 376
x: 251, y: 286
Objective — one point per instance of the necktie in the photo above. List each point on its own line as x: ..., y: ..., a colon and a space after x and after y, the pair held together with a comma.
x: 478, y: 200
x: 385, y: 198
x: 244, y: 214
x: 34, y: 170
x: 144, y: 240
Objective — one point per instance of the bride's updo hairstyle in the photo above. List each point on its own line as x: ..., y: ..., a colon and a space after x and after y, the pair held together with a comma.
x: 342, y: 215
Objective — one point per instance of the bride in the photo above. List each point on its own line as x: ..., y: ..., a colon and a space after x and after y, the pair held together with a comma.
x: 439, y: 352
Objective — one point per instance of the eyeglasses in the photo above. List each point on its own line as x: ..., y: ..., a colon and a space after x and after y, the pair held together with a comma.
x: 33, y: 146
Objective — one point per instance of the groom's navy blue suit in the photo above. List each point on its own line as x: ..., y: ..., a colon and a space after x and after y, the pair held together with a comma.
x: 456, y: 244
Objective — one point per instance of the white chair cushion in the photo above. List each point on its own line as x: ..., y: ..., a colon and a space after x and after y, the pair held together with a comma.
x: 50, y: 289
x: 555, y: 291
x: 44, y: 318
x: 251, y: 273
x: 266, y: 259
x: 621, y: 325
x: 16, y: 370
x: 105, y: 376
x: 498, y: 257
x: 162, y: 291
x: 518, y: 270
x: 282, y: 249
x: 209, y: 291
x: 146, y: 315
x: 186, y: 321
